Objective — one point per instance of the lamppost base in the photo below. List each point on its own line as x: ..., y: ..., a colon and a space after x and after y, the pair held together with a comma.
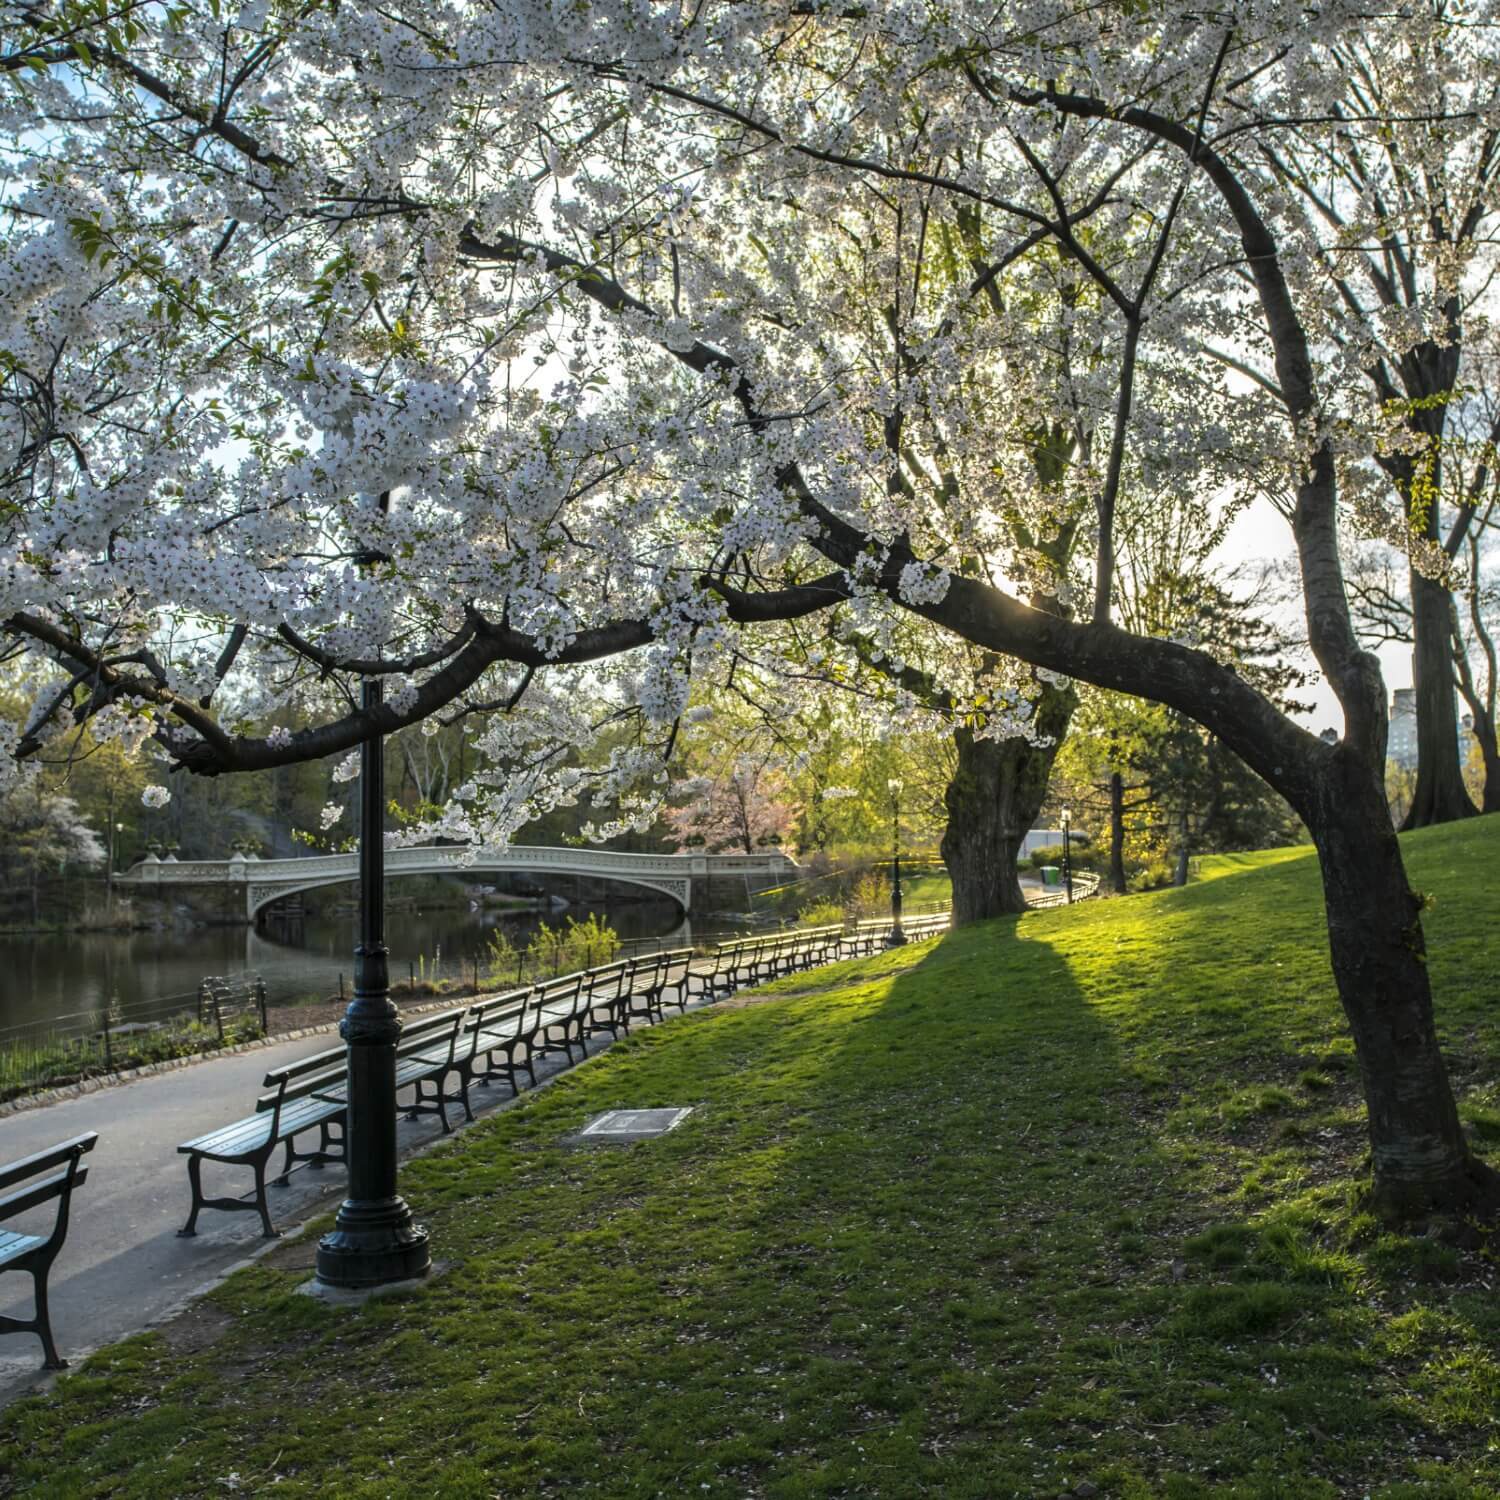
x: 373, y: 1243
x: 897, y: 938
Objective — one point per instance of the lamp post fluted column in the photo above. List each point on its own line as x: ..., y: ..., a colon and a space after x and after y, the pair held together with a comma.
x: 898, y: 934
x: 1067, y: 823
x: 374, y: 1239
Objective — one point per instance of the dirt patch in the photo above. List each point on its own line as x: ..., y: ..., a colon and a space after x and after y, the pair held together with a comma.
x: 197, y: 1326
x: 281, y: 1019
x: 295, y: 1255
x: 747, y: 998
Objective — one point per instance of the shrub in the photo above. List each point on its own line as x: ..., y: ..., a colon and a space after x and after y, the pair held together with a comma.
x: 871, y: 895
x: 579, y: 945
x: 820, y: 914
x: 1080, y: 855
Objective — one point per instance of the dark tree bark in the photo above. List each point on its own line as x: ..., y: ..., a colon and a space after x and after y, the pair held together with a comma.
x: 1421, y: 1157
x: 1490, y: 756
x: 1479, y: 699
x: 1440, y: 795
x: 1117, y: 833
x: 993, y: 799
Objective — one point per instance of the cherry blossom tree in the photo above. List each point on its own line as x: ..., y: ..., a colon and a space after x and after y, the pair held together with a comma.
x: 461, y: 349
x: 743, y: 809
x: 1396, y: 221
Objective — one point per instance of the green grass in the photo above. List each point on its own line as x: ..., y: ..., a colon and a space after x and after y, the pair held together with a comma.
x: 1053, y: 1200
x: 1212, y: 866
x: 934, y: 889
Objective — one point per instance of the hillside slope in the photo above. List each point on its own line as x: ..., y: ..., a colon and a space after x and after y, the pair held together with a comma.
x: 1068, y: 1199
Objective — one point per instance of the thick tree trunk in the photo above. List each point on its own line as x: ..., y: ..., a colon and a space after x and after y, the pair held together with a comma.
x: 1489, y: 753
x: 1117, y: 833
x: 1421, y: 1157
x: 1491, y: 758
x: 1440, y: 795
x: 993, y: 799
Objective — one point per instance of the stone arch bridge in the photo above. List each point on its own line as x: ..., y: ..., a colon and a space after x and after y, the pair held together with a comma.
x: 268, y: 880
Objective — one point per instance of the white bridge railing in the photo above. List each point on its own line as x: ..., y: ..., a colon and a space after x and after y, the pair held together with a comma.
x: 267, y: 880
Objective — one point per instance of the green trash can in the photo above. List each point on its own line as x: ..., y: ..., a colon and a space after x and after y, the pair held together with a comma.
x: 1051, y: 875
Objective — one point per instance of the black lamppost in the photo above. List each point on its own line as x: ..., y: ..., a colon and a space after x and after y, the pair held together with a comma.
x: 374, y: 1239
x: 1067, y: 823
x: 897, y: 936
x: 114, y: 829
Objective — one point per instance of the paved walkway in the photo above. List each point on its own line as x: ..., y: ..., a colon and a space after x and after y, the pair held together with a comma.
x: 123, y: 1267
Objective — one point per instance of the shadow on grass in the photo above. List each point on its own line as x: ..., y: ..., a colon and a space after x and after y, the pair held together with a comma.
x: 930, y: 1231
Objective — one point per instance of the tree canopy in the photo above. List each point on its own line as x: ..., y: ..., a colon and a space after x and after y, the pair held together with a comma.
x: 465, y: 346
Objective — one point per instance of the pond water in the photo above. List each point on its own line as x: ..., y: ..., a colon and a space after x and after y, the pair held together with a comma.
x: 50, y: 977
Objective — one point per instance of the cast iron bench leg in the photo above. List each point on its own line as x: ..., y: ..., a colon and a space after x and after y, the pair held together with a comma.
x: 53, y: 1360
x: 195, y: 1169
x: 268, y: 1229
x: 41, y: 1324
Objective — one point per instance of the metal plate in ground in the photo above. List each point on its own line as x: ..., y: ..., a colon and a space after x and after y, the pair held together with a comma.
x: 632, y: 1124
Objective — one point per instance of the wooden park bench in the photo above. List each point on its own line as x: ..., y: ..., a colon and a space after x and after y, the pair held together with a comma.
x: 559, y: 1006
x: 661, y: 975
x: 297, y: 1101
x: 920, y: 928
x: 503, y: 1025
x: 821, y: 945
x: 32, y: 1252
x: 430, y: 1048
x: 865, y: 938
x: 605, y: 1001
x: 717, y: 976
x: 312, y: 1095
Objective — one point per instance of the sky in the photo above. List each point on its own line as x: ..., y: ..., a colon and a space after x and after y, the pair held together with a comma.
x: 1261, y: 534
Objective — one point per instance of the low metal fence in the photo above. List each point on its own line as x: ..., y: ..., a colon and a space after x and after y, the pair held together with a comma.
x: 111, y: 1038
x: 1085, y: 884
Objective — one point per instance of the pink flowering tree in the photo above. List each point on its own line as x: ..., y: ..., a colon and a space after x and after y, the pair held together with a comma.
x: 743, y: 809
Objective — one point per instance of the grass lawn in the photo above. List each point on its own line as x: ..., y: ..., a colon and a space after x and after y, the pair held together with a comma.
x: 1064, y: 1199
x: 928, y: 885
x: 932, y: 888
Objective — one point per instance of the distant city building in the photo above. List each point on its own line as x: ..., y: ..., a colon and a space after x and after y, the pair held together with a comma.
x: 1042, y: 838
x: 1401, y: 747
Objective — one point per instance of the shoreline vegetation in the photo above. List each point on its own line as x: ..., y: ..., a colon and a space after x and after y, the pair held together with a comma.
x: 110, y: 1043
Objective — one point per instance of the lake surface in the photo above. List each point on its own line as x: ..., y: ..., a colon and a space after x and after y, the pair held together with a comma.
x: 53, y: 976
